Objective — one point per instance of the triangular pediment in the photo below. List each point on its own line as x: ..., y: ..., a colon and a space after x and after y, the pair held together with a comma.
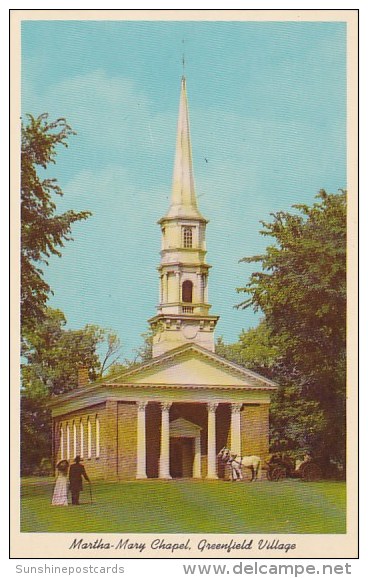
x: 183, y: 428
x: 193, y: 365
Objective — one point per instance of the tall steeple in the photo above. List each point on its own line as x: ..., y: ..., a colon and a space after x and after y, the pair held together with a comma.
x: 183, y: 200
x: 183, y: 310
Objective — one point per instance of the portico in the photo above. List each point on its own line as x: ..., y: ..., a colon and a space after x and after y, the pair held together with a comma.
x: 182, y: 428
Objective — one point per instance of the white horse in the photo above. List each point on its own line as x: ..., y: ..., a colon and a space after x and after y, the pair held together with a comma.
x: 238, y: 462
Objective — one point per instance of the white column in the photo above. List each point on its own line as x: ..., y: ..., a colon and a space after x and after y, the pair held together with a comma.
x: 141, y: 440
x: 203, y: 281
x: 205, y: 288
x: 166, y: 287
x: 197, y: 457
x: 178, y: 280
x: 198, y: 294
x: 235, y: 428
x: 211, y: 441
x: 164, y: 472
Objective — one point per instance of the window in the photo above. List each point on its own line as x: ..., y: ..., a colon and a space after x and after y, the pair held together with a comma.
x: 61, y: 443
x: 74, y: 439
x: 67, y: 442
x: 81, y: 439
x: 89, y: 439
x: 97, y: 437
x: 187, y: 292
x: 187, y: 237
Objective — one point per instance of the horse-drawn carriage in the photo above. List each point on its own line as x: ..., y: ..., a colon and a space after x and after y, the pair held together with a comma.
x: 281, y: 466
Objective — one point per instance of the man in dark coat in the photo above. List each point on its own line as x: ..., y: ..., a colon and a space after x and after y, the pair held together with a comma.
x: 76, y: 472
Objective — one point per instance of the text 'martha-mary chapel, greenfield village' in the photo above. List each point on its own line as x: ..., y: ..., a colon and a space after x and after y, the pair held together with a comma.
x: 170, y: 416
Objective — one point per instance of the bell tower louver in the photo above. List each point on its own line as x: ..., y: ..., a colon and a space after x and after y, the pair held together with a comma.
x: 183, y: 312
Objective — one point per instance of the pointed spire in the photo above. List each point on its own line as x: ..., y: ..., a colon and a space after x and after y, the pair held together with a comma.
x: 183, y: 200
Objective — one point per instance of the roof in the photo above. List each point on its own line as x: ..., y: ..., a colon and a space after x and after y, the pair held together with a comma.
x: 194, y: 349
x: 144, y: 376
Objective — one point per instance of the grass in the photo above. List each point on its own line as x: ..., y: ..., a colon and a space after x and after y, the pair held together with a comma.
x: 185, y: 506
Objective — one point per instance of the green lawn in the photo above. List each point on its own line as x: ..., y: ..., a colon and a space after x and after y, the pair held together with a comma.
x: 182, y: 506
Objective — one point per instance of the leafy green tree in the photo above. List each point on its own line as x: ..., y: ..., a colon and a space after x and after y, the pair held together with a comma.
x: 295, y: 423
x: 36, y: 429
x: 144, y: 352
x: 141, y: 354
x: 115, y: 370
x: 255, y: 349
x: 43, y: 231
x: 52, y: 356
x: 301, y: 291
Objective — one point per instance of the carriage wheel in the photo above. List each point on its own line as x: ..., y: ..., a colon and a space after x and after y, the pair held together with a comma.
x: 311, y: 473
x: 277, y: 473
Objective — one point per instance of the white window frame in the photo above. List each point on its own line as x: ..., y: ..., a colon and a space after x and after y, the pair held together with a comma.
x: 187, y: 237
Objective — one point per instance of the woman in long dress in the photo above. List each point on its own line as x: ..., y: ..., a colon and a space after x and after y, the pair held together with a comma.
x: 60, y: 497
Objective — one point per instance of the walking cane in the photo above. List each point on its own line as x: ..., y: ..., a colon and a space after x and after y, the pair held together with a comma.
x: 90, y: 493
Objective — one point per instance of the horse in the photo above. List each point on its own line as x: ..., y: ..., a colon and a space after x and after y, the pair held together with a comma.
x: 237, y: 462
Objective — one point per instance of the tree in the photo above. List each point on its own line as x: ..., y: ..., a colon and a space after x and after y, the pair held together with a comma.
x: 142, y: 353
x: 42, y: 230
x: 301, y: 291
x: 294, y: 421
x: 112, y: 354
x: 52, y: 356
x: 255, y: 349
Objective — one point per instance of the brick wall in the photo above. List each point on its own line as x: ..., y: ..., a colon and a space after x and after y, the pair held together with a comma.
x: 118, y: 436
x: 127, y: 440
x: 110, y: 439
x: 255, y: 431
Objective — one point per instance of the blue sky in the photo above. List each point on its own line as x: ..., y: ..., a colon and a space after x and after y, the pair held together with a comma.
x: 267, y: 109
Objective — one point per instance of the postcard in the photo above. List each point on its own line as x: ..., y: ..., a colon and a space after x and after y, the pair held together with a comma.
x: 187, y: 272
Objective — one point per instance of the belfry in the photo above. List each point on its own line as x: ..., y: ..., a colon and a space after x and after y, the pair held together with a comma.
x: 168, y: 418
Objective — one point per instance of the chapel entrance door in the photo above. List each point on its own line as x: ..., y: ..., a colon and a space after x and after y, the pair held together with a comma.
x: 181, y: 457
